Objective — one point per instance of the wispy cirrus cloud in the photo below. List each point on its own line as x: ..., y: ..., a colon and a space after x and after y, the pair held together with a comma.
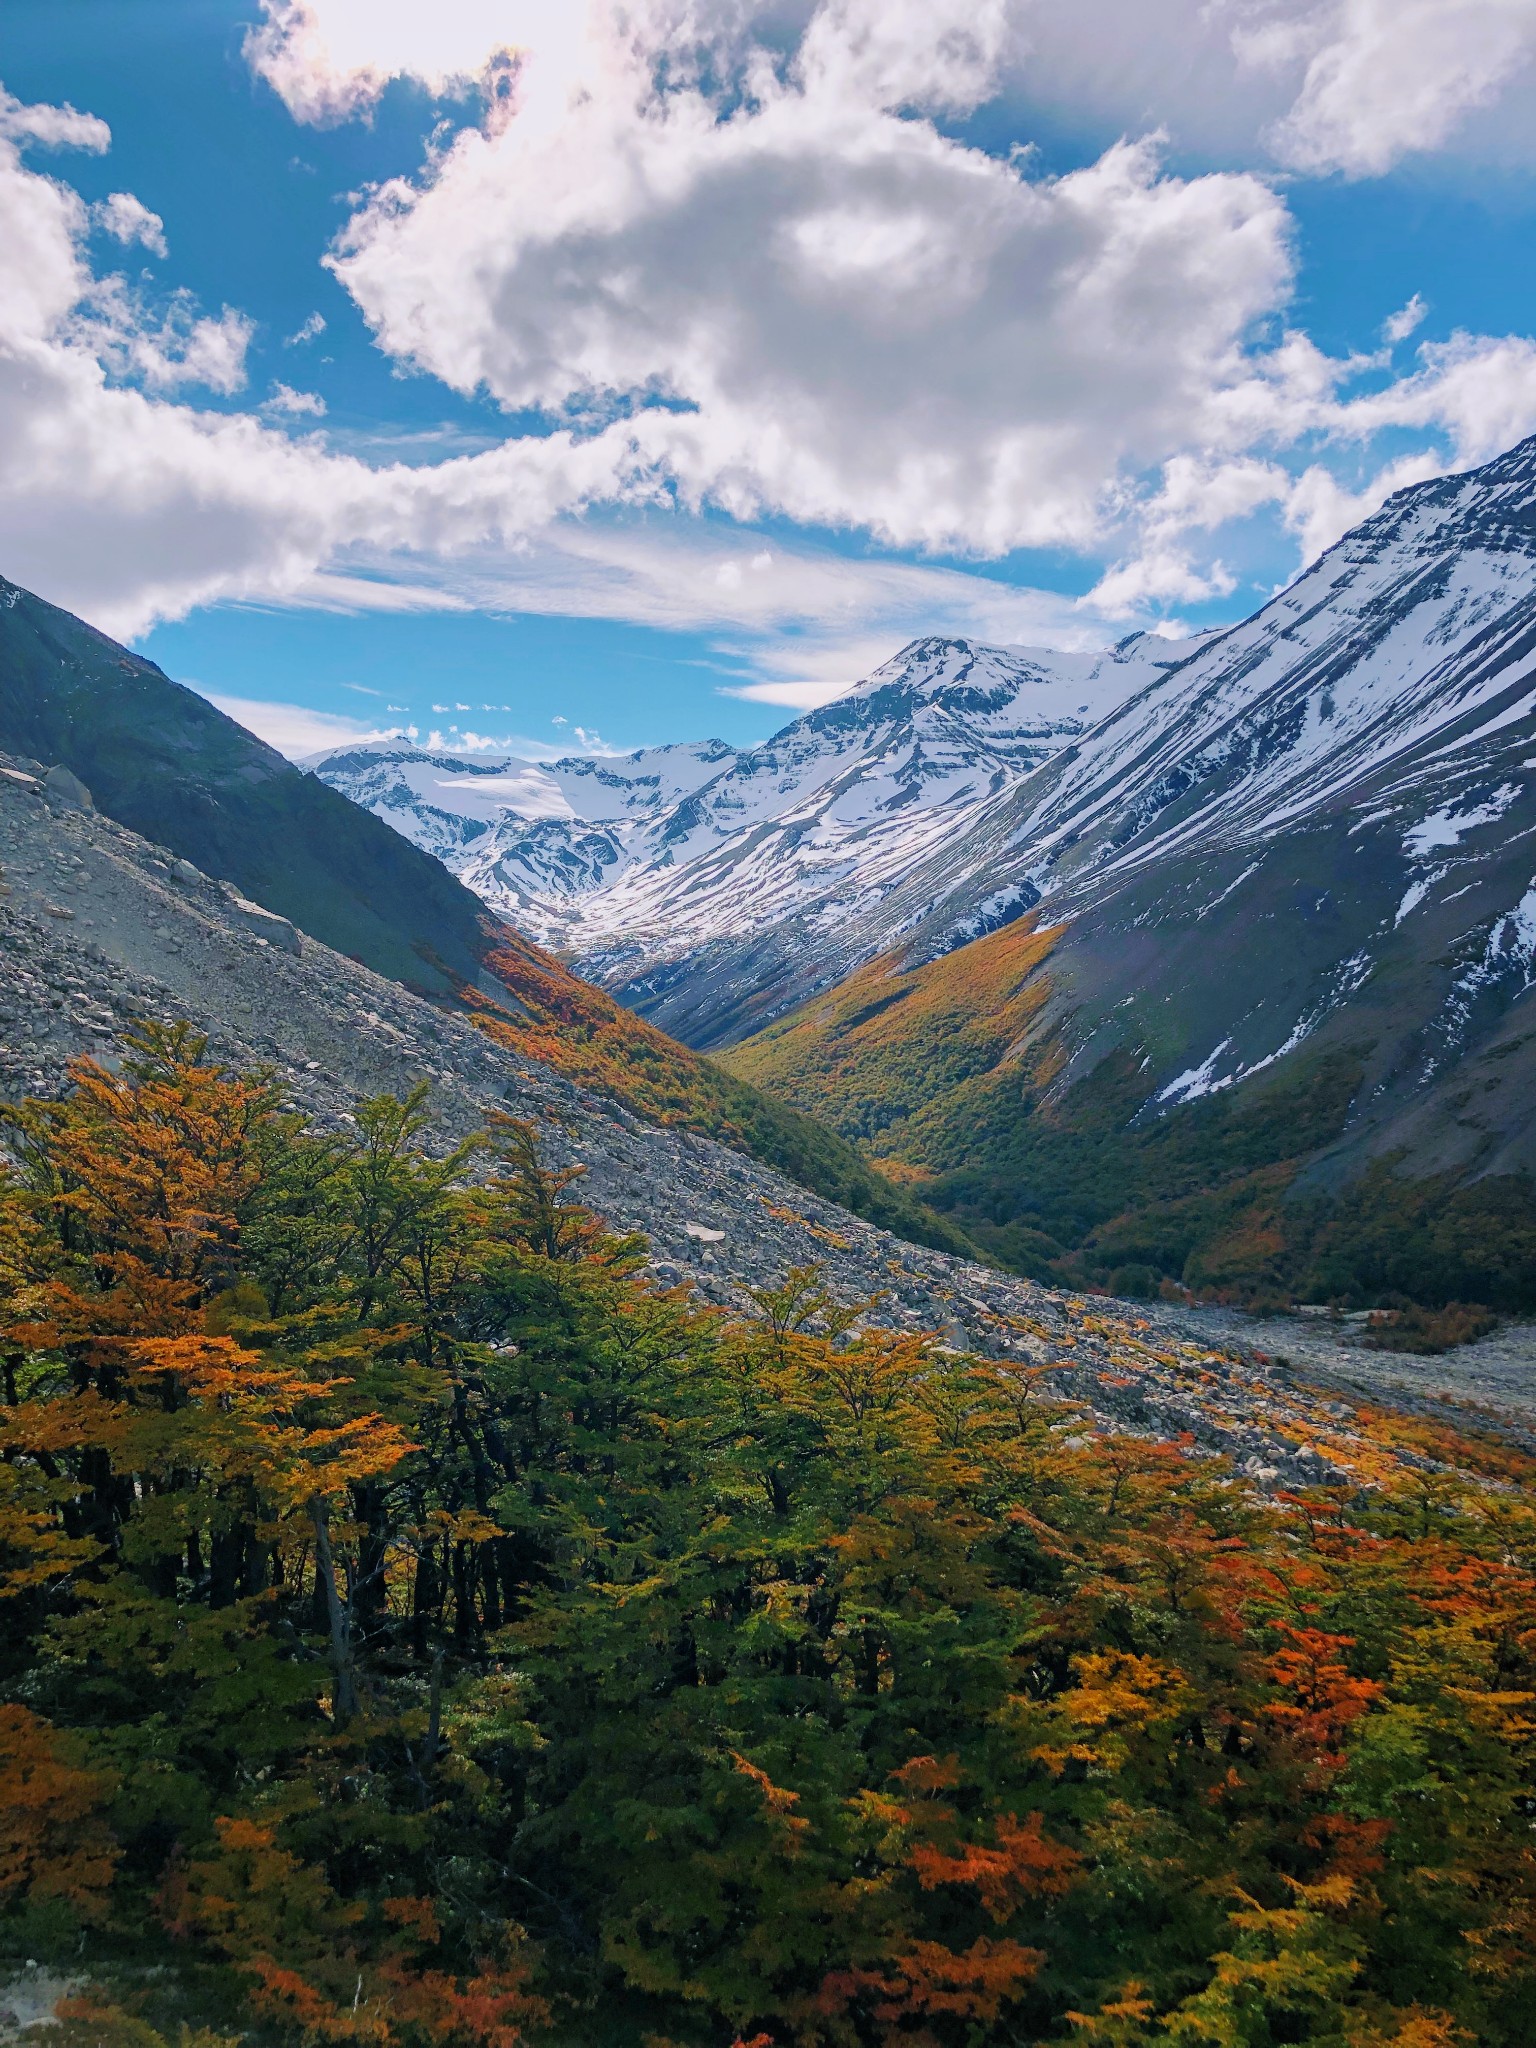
x: 294, y: 729
x: 789, y: 622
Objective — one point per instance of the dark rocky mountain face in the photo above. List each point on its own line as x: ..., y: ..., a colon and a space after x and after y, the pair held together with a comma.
x: 1368, y: 731
x: 165, y: 762
x: 1283, y: 880
x: 1318, y: 832
x: 1304, y: 845
x: 1379, y: 707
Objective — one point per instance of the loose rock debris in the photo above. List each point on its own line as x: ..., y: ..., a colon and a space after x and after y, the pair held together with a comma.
x: 99, y: 929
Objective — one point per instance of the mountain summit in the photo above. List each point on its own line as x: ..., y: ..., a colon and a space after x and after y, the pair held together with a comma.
x: 1298, y: 855
x: 646, y: 868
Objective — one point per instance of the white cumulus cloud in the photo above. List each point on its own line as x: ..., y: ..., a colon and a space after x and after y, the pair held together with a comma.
x: 1326, y: 85
x: 740, y: 259
x: 52, y: 127
x: 291, y: 404
x: 812, y: 303
x: 129, y: 220
x: 1384, y: 78
x: 815, y: 304
x: 1322, y: 86
x: 124, y: 504
x: 165, y: 346
x: 331, y: 61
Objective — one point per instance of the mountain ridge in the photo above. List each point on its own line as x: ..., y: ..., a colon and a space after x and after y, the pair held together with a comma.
x: 1281, y: 1039
x: 174, y: 768
x: 1304, y: 845
x: 635, y: 868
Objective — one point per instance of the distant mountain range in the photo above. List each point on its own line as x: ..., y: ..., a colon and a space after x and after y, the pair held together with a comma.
x: 647, y: 870
x: 1293, y: 862
x: 286, y: 852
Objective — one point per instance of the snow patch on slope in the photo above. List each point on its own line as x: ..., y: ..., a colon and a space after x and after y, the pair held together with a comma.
x: 1197, y: 1081
x: 1448, y: 828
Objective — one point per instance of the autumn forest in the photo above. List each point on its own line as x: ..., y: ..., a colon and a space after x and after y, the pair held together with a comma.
x: 424, y: 1629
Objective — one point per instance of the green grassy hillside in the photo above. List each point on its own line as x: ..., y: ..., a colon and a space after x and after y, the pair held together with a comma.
x: 959, y: 1077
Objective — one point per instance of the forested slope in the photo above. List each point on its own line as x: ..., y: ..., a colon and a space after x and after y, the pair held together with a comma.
x: 424, y: 1630
x: 972, y: 1078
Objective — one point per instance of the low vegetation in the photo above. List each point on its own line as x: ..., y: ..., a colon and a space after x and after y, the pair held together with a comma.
x: 1429, y: 1330
x: 584, y: 1034
x: 945, y: 1077
x: 423, y: 1630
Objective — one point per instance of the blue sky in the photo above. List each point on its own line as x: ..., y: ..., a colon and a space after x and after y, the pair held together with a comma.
x: 691, y: 366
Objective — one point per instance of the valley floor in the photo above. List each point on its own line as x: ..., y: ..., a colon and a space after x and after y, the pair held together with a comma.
x: 1497, y: 1374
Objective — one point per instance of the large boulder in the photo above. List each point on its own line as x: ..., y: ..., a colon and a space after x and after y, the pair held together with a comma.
x: 266, y: 924
x: 64, y: 787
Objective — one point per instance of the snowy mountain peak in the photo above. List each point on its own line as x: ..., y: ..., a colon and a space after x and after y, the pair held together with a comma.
x: 961, y: 677
x: 931, y: 667
x: 961, y: 783
x: 596, y: 854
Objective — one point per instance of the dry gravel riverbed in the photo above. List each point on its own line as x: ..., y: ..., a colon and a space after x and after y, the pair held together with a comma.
x: 1497, y: 1374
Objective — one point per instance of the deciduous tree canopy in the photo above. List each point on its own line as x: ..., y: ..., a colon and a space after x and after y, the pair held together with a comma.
x: 422, y: 1628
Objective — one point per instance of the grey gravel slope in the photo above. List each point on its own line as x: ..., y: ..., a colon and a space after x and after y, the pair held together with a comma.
x: 99, y: 928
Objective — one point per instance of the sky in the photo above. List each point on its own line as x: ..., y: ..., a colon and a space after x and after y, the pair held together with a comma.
x: 585, y: 374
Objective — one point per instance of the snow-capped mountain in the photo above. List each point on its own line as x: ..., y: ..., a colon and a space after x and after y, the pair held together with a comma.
x: 630, y: 864
x: 1321, y: 820
x: 531, y: 838
x: 1302, y: 846
x: 1398, y: 655
x: 1314, y: 833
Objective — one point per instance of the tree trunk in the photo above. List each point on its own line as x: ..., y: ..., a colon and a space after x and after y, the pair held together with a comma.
x: 255, y: 1565
x: 339, y: 1616
x: 466, y: 1622
x: 434, y: 1712
x: 368, y: 1597
x: 424, y: 1599
x: 226, y: 1555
